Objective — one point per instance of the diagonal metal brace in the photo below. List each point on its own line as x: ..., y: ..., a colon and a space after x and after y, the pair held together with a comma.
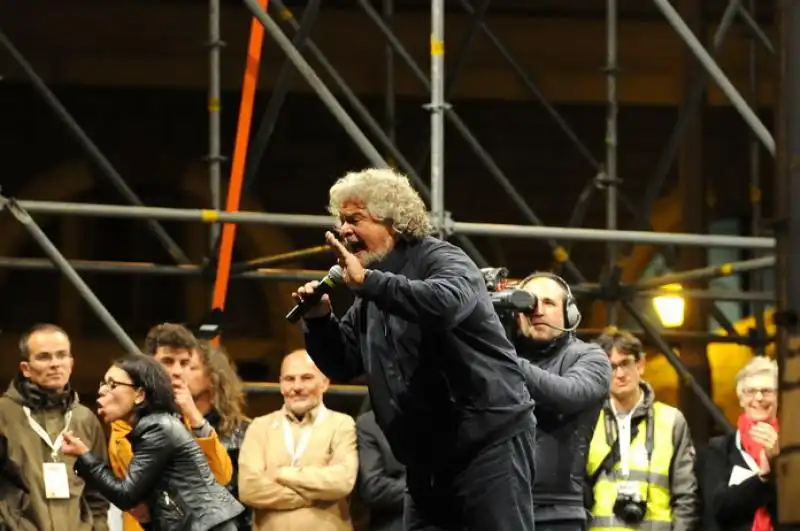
x: 58, y: 260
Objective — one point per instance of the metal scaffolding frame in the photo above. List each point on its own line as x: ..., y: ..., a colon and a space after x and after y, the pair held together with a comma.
x: 606, y: 174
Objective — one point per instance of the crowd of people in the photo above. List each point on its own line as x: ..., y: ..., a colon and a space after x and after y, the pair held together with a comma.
x: 467, y: 427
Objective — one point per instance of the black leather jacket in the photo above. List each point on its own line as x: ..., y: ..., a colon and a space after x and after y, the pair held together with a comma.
x: 232, y: 443
x: 169, y: 473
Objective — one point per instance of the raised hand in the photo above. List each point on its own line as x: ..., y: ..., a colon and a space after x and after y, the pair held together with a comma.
x: 352, y: 269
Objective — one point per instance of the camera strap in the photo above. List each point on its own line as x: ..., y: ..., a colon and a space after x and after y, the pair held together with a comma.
x: 613, y: 455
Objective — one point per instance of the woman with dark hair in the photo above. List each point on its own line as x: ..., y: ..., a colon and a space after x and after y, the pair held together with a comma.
x: 169, y: 472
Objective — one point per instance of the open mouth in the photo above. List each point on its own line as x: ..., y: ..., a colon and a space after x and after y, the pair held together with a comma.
x: 355, y: 246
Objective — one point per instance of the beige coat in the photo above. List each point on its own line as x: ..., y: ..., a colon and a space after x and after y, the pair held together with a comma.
x: 310, y: 494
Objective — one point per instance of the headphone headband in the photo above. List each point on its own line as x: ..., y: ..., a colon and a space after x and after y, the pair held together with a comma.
x: 572, y: 315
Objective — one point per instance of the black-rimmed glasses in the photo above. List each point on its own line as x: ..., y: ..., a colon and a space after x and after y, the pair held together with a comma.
x: 113, y: 384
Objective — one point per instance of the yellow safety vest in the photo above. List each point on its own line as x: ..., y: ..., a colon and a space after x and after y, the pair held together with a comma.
x: 653, y: 480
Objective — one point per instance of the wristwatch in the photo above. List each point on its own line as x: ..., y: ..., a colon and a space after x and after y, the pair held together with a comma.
x: 201, y: 426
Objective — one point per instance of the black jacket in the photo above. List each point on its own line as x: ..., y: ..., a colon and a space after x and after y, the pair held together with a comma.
x: 170, y: 473
x: 731, y: 507
x: 443, y: 377
x: 569, y: 379
x: 232, y: 443
x: 381, y: 477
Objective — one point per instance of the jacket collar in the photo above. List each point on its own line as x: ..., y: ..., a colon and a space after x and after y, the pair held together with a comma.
x: 397, y: 258
x: 540, y: 350
x: 309, y: 418
x: 26, y: 393
x: 648, y: 398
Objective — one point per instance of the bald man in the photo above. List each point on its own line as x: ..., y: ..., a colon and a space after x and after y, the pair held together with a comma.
x: 569, y: 380
x: 298, y: 465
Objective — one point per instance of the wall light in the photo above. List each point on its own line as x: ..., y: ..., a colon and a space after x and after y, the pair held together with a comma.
x: 670, y: 307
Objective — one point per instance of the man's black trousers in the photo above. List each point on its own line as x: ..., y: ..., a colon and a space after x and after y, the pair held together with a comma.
x: 493, y: 492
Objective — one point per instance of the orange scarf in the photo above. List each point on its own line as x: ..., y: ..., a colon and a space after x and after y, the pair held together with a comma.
x: 762, y: 520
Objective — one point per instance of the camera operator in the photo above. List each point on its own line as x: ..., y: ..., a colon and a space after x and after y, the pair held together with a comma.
x: 569, y: 381
x: 641, y: 458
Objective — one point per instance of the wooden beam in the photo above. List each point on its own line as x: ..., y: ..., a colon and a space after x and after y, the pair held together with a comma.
x: 162, y: 45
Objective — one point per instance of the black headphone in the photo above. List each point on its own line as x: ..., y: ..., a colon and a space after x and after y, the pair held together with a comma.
x: 572, y: 315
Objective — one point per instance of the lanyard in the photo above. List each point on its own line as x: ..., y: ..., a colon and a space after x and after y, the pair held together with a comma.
x: 296, y: 451
x: 632, y: 425
x: 55, y: 446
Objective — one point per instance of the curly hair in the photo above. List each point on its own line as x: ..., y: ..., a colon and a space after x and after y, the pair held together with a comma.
x: 227, y: 391
x: 387, y: 195
x: 169, y: 335
x: 148, y: 375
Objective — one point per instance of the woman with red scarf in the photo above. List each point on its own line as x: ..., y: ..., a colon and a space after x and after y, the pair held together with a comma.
x: 736, y: 477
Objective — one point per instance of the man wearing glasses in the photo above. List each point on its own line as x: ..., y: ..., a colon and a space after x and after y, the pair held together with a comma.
x: 40, y: 405
x: 569, y: 381
x: 641, y: 458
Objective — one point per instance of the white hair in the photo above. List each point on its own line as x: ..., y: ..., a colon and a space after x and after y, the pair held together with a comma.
x: 758, y: 366
x: 387, y: 195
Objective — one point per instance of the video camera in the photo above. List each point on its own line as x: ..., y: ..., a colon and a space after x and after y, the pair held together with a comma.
x: 506, y: 300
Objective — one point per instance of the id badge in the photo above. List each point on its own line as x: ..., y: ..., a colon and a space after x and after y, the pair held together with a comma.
x: 56, y: 482
x: 627, y: 488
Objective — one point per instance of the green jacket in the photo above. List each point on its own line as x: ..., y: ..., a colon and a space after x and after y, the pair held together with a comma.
x: 85, y: 510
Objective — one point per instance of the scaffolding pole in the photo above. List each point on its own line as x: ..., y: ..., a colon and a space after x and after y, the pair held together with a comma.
x: 674, y: 335
x: 478, y: 229
x: 690, y: 107
x: 592, y: 290
x: 787, y: 272
x: 736, y: 99
x: 250, y: 271
x: 68, y: 271
x: 373, y: 125
x: 656, y: 337
x: 611, y: 176
x: 308, y: 220
x: 280, y: 89
x: 475, y: 145
x: 436, y: 109
x: 100, y: 160
x: 455, y: 67
x: 755, y: 278
x: 272, y: 388
x: 311, y: 77
x: 153, y: 269
x: 390, y: 98
x: 722, y: 270
x: 215, y: 157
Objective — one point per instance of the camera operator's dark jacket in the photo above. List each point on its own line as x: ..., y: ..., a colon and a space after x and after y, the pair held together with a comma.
x: 443, y: 377
x: 569, y: 380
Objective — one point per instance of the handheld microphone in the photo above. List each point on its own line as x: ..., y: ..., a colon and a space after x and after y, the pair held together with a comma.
x: 325, y: 287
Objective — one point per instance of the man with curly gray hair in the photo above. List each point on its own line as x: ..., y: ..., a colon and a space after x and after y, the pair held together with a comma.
x: 444, y: 381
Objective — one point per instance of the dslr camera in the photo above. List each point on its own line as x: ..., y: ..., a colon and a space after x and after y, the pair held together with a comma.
x: 629, y: 506
x: 506, y: 300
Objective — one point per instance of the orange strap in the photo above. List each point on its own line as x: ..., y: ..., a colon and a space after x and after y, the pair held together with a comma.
x: 239, y: 158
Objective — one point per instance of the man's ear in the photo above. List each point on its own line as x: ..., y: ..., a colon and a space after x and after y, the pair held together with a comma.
x: 25, y: 369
